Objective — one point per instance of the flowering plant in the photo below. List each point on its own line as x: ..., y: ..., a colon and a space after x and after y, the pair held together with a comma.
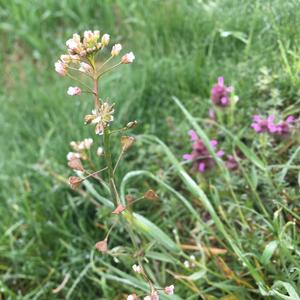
x: 81, y: 58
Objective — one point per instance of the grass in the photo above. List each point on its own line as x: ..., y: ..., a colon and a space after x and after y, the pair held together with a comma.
x: 181, y: 48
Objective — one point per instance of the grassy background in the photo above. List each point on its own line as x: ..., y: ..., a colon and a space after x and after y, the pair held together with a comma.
x: 181, y: 48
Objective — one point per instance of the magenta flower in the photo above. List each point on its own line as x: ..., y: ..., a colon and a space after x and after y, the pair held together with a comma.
x: 284, y: 127
x: 200, y: 155
x: 263, y: 125
x: 220, y: 93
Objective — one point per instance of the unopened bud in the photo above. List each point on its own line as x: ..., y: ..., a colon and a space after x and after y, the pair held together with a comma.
x: 131, y: 124
x: 75, y: 182
x: 129, y: 198
x: 127, y: 142
x: 88, y: 119
x: 151, y: 195
x: 75, y: 164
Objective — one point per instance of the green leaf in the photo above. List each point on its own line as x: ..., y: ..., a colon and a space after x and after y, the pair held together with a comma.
x: 268, y: 252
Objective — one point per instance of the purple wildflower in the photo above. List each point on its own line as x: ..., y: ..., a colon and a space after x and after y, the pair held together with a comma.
x: 220, y: 93
x: 200, y: 156
x: 284, y: 127
x: 263, y: 125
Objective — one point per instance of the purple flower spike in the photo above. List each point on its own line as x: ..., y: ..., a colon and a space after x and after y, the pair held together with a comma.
x: 200, y: 156
x: 220, y: 93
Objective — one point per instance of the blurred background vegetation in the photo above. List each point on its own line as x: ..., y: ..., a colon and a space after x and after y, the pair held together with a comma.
x: 181, y: 47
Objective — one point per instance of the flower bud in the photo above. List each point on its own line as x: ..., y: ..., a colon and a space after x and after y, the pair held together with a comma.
x: 128, y: 58
x: 61, y: 68
x: 85, y: 68
x: 105, y: 39
x: 75, y: 182
x: 137, y: 269
x: 102, y: 246
x: 74, y: 91
x: 72, y: 155
x: 131, y: 124
x: 100, y: 151
x: 169, y: 290
x: 132, y: 297
x: 116, y: 49
x: 76, y: 164
x: 151, y: 195
x: 127, y: 142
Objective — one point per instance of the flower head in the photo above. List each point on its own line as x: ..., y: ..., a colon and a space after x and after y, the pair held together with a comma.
x: 74, y: 91
x: 261, y: 125
x: 74, y: 44
x: 220, y: 93
x: 61, y: 68
x: 128, y: 58
x: 284, y: 127
x: 132, y: 297
x: 169, y: 290
x: 116, y: 49
x: 101, y: 117
x: 200, y: 155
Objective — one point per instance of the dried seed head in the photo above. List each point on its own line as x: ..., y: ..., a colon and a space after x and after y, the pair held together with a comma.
x: 131, y: 124
x: 102, y: 246
x: 126, y: 142
x: 120, y: 208
x: 75, y: 164
x: 151, y: 195
x: 75, y: 182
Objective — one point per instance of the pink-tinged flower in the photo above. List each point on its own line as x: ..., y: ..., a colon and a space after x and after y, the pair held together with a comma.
x: 105, y: 39
x: 73, y: 155
x: 74, y: 91
x: 153, y: 296
x: 116, y: 49
x: 74, y: 44
x: 61, y: 68
x: 85, y: 68
x: 220, y: 94
x: 200, y: 155
x: 120, y: 208
x: 90, y: 39
x: 132, y: 297
x: 128, y: 58
x: 284, y: 127
x: 264, y: 125
x: 102, y: 246
x: 169, y: 290
x: 137, y: 269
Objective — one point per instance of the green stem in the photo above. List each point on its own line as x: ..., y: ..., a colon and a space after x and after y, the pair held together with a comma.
x: 107, y: 153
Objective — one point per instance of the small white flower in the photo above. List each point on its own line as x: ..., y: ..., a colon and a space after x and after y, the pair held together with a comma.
x: 116, y: 49
x: 128, y: 58
x: 132, y: 297
x: 85, y: 68
x: 137, y: 269
x: 88, y: 143
x: 72, y: 155
x: 74, y: 91
x: 105, y: 39
x: 186, y: 263
x: 61, y: 68
x: 100, y: 151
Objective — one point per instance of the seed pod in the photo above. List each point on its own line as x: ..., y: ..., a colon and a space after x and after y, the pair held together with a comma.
x: 102, y: 246
x: 126, y: 142
x: 151, y: 195
x: 75, y: 182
